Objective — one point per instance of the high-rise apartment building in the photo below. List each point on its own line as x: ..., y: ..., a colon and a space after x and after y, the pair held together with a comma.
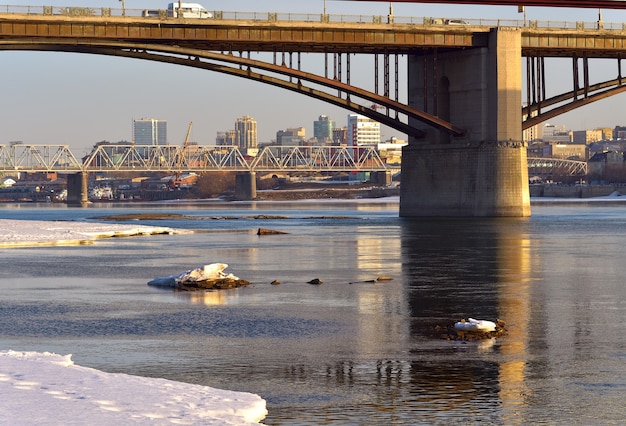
x: 323, y: 128
x: 363, y: 131
x: 149, y: 131
x: 245, y: 133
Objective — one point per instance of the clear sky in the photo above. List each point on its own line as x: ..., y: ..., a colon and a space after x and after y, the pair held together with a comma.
x: 81, y: 99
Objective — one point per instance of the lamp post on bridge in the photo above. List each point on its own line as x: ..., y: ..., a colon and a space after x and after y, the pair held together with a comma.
x: 123, y: 8
x: 324, y: 15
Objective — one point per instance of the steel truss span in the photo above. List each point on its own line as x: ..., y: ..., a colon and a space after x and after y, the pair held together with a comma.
x: 553, y: 166
x: 191, y: 158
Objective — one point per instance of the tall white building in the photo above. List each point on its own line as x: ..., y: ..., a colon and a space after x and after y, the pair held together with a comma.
x: 363, y: 131
x: 245, y: 133
x: 149, y: 131
x: 552, y: 133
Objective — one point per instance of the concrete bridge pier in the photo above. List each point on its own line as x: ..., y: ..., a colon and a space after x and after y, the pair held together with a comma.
x: 484, y: 172
x: 78, y: 189
x: 381, y: 178
x: 245, y: 186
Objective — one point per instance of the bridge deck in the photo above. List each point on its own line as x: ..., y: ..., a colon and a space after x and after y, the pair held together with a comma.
x: 266, y: 32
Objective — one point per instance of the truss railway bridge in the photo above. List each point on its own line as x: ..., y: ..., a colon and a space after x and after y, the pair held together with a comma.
x: 463, y: 91
x: 191, y: 158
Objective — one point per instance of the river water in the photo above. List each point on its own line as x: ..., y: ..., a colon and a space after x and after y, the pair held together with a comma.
x: 347, y: 351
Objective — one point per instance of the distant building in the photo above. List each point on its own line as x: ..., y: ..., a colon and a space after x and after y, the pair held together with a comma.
x: 539, y: 149
x: 323, y: 128
x: 363, y: 131
x: 227, y: 138
x: 568, y: 151
x: 391, y: 150
x: 246, y: 133
x: 619, y: 132
x: 533, y: 133
x: 291, y: 137
x: 606, y: 167
x: 552, y: 133
x: 607, y: 133
x: 340, y: 136
x: 587, y: 137
x: 7, y: 182
x: 149, y: 131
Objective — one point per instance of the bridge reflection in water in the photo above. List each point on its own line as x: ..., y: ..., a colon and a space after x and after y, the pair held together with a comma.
x: 191, y: 158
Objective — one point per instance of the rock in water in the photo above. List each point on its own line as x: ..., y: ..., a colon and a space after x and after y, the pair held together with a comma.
x: 315, y: 281
x: 264, y: 231
x: 209, y: 276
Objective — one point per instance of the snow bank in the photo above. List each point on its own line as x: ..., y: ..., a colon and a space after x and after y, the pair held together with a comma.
x: 41, y: 232
x: 49, y: 389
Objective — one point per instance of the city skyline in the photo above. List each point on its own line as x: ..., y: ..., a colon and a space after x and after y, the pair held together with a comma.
x: 80, y: 99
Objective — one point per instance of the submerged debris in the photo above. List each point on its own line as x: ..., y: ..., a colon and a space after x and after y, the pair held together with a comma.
x: 375, y: 280
x: 449, y: 332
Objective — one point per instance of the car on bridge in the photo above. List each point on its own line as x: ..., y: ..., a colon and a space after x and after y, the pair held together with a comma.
x: 440, y: 21
x: 455, y: 22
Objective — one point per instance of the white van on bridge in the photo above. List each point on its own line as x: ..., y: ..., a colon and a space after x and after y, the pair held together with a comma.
x: 188, y: 10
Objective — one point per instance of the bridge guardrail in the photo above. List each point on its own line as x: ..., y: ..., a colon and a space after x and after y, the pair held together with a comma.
x: 315, y: 18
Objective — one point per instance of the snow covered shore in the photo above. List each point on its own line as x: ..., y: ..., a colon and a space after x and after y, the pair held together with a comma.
x: 19, y: 233
x: 49, y: 389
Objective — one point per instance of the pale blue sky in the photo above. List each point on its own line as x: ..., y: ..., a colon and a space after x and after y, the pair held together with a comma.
x: 80, y: 99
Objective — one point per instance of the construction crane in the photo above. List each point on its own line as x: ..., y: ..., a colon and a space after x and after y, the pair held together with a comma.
x: 187, y: 137
x: 175, y: 182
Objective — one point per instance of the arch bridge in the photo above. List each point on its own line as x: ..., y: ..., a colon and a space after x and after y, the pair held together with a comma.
x: 447, y: 106
x: 235, y: 43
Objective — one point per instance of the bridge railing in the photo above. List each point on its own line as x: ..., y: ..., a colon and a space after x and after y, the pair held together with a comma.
x: 313, y: 18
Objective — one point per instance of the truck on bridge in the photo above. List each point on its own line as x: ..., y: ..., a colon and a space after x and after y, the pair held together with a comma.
x: 188, y: 10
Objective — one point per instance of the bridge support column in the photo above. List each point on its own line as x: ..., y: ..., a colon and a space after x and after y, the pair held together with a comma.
x: 483, y: 173
x: 380, y: 178
x: 78, y: 189
x: 245, y: 186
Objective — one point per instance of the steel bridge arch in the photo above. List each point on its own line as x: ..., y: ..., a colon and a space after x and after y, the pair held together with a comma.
x: 229, y: 63
x: 243, y: 67
x: 578, y: 98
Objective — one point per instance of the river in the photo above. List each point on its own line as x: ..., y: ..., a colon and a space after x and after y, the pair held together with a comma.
x: 348, y: 351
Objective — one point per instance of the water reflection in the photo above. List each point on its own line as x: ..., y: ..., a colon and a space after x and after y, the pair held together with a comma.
x: 471, y: 268
x: 348, y: 351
